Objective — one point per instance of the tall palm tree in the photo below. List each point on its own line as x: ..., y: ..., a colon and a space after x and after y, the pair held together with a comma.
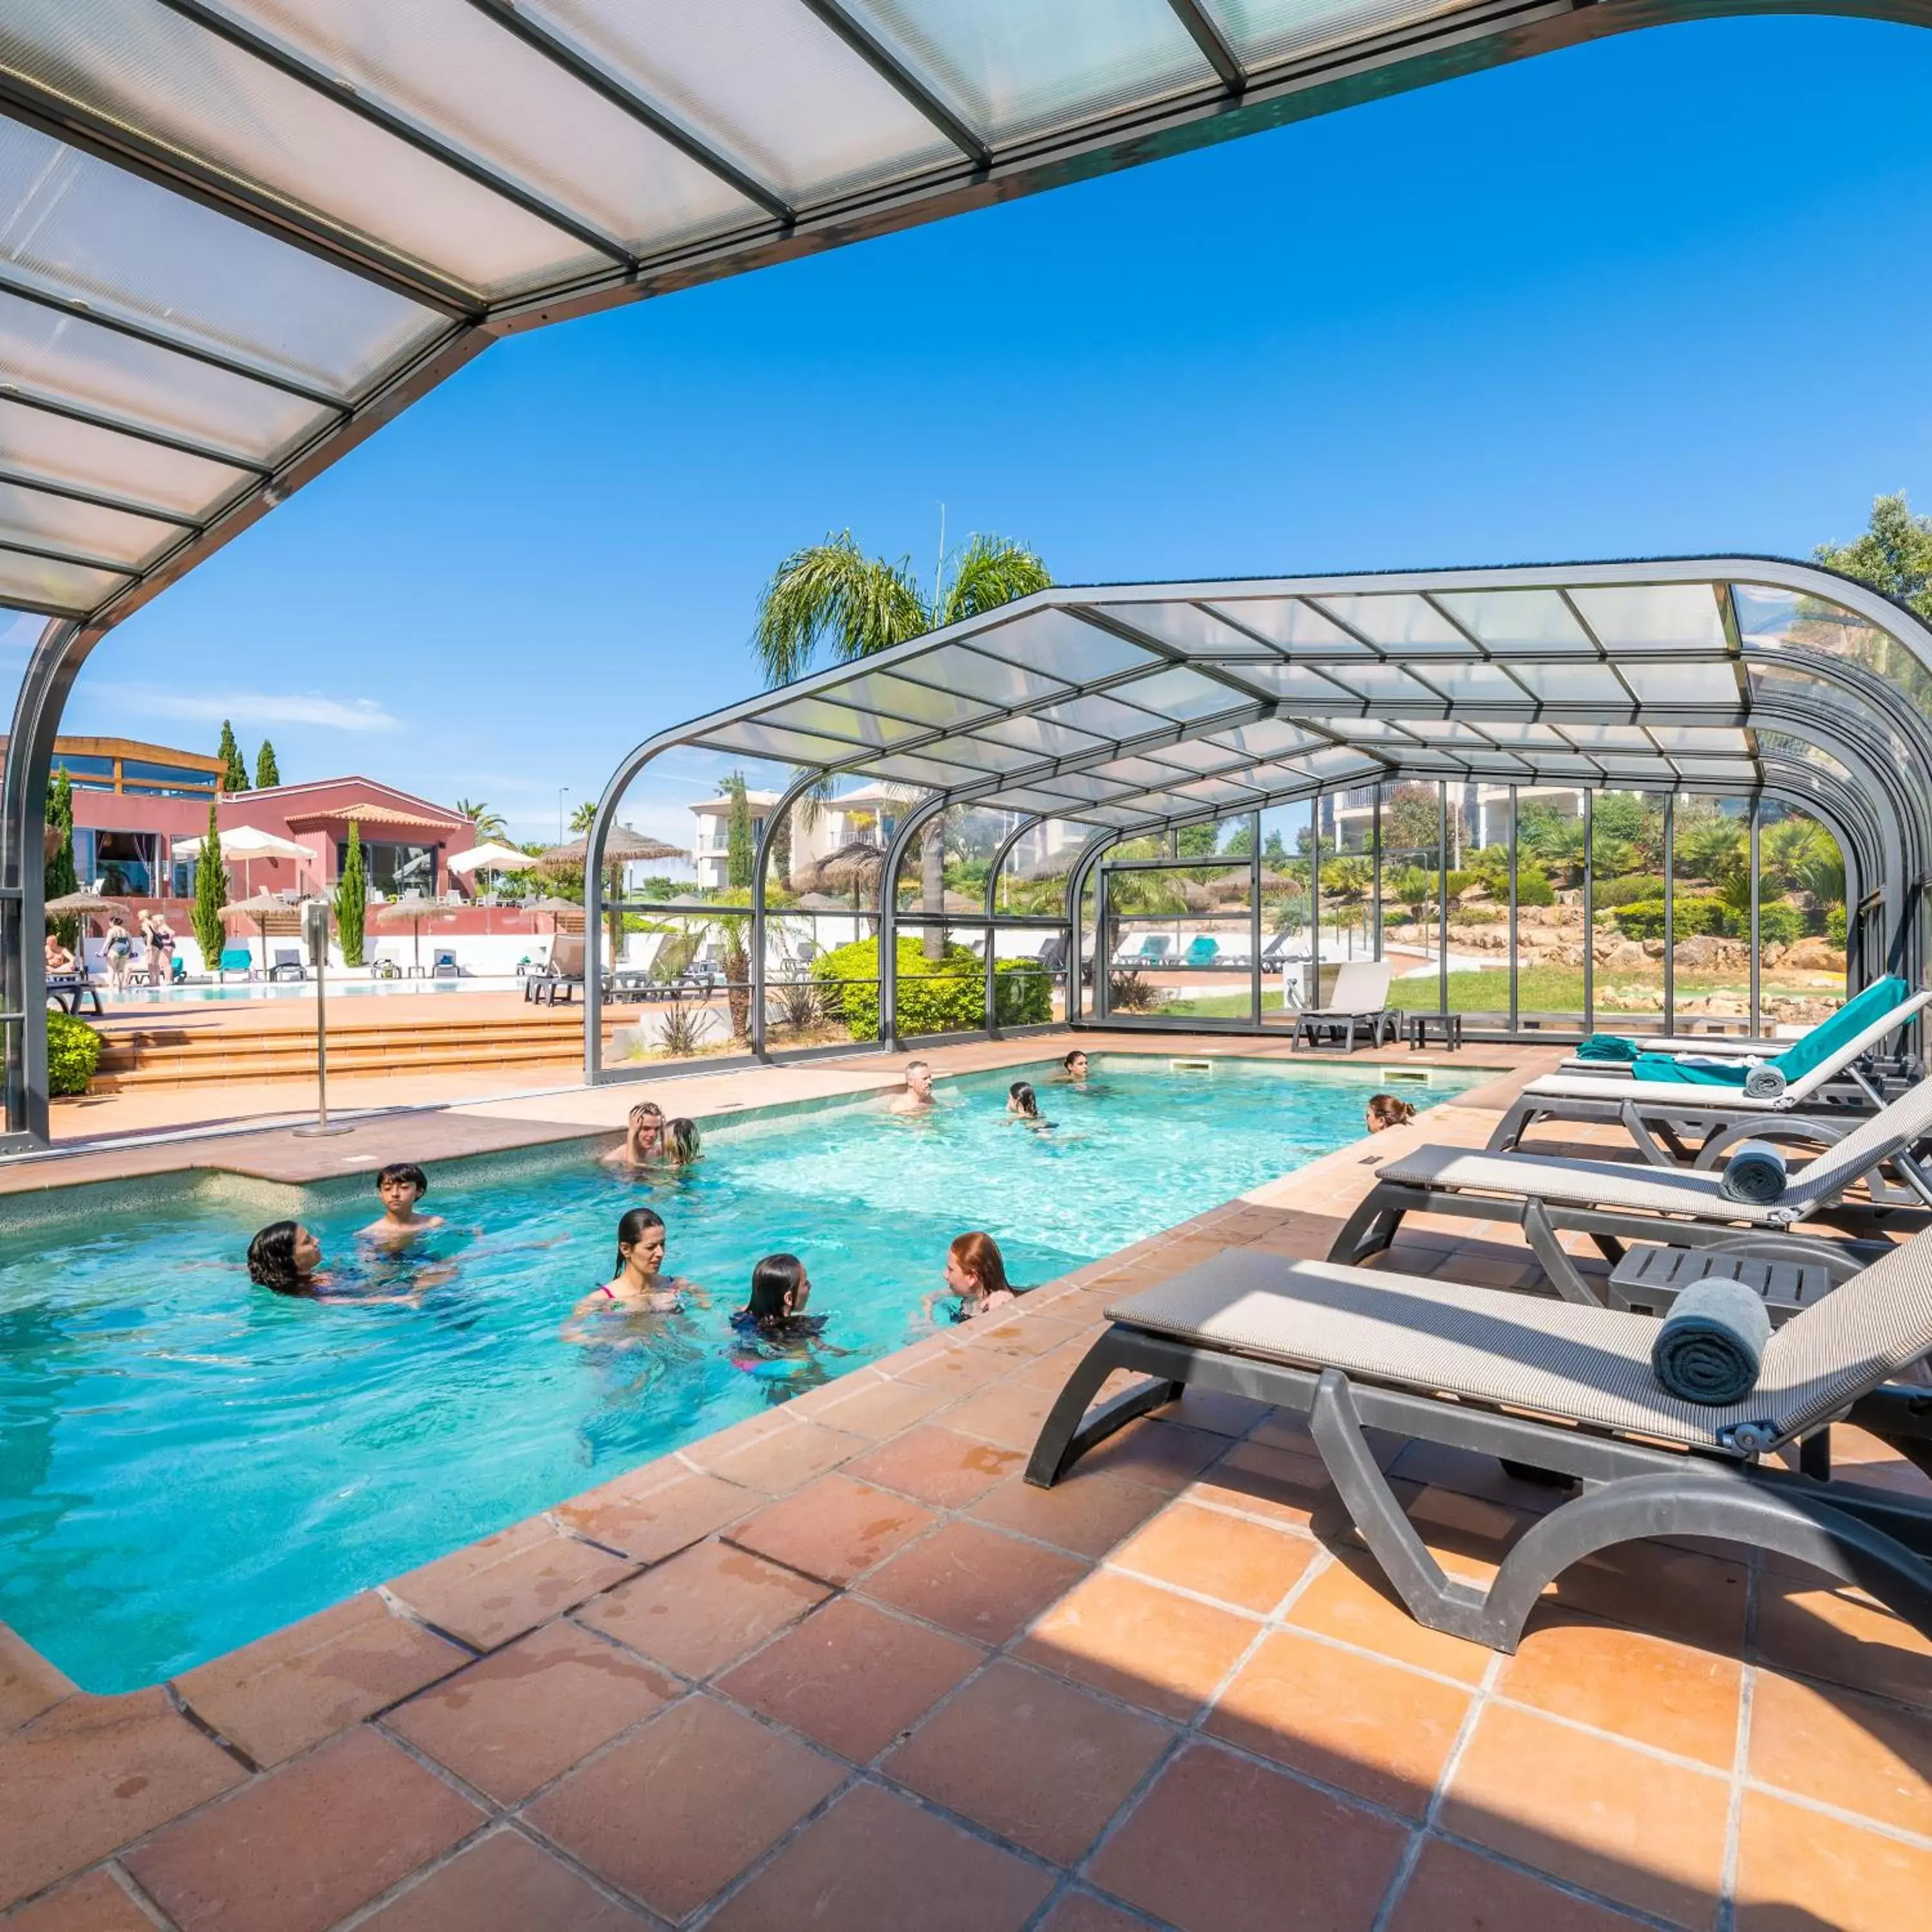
x: 489, y: 824
x: 832, y: 595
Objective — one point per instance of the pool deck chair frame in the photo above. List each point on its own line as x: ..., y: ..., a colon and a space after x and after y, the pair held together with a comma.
x: 1614, y: 1202
x: 1563, y: 1389
x: 1662, y: 1117
x: 1359, y: 999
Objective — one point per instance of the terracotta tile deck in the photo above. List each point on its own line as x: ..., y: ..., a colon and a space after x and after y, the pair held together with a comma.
x: 841, y: 1669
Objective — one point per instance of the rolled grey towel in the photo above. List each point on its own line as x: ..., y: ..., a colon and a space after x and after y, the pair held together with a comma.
x: 1755, y: 1172
x: 1764, y: 1083
x: 1710, y: 1346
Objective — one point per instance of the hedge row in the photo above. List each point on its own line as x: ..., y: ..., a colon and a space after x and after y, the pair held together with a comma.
x: 945, y: 995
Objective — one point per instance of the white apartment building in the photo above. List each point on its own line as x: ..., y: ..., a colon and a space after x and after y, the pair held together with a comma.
x: 869, y: 812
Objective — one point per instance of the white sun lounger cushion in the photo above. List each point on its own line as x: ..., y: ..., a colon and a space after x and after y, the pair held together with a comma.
x: 1590, y: 1366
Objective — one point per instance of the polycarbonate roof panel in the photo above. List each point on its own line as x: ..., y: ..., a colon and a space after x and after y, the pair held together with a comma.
x: 1012, y: 69
x: 77, y: 228
x: 1261, y: 31
x: 1407, y: 625
x: 924, y: 703
x: 1682, y: 683
x: 1267, y: 738
x: 1537, y: 621
x: 1187, y: 627
x: 1474, y: 680
x: 861, y: 726
x: 1056, y: 641
x: 33, y: 517
x: 444, y: 63
x: 1302, y: 682
x: 997, y: 683
x: 1103, y: 716
x: 1181, y: 695
x: 765, y: 82
x: 40, y: 584
x: 1290, y: 625
x: 1040, y: 735
x: 210, y: 99
x: 56, y: 449
x: 1653, y: 617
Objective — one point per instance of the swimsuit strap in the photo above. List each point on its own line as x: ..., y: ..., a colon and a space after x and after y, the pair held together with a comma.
x: 603, y: 1287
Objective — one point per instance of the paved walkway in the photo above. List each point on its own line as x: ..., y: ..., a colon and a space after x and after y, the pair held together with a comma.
x: 838, y: 1668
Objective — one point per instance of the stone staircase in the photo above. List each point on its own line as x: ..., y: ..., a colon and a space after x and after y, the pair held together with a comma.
x: 167, y: 1053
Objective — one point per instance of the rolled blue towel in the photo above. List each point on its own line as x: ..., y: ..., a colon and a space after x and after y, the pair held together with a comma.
x: 1710, y: 1347
x: 1765, y: 1082
x: 1608, y: 1046
x: 1755, y: 1172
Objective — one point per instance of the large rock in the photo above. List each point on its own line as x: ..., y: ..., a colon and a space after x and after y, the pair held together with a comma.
x: 1816, y: 955
x: 1625, y: 955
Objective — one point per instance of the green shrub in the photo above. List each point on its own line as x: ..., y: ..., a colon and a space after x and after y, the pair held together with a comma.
x: 1777, y: 924
x: 1532, y: 885
x: 1630, y: 890
x: 1834, y: 927
x: 73, y: 1051
x: 1695, y: 915
x: 1476, y: 915
x: 951, y: 999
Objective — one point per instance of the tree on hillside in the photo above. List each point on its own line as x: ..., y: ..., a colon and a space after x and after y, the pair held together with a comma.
x: 60, y: 878
x: 1893, y: 555
x: 351, y: 899
x: 211, y: 894
x: 235, y: 774
x: 831, y: 594
x: 267, y: 772
x: 486, y: 823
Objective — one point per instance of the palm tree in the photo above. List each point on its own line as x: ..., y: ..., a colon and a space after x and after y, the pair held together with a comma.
x: 488, y: 824
x: 831, y: 594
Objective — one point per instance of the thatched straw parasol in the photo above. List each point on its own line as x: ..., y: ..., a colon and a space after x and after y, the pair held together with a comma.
x: 622, y: 847
x: 263, y: 907
x: 559, y: 910
x: 413, y: 913
x: 85, y: 905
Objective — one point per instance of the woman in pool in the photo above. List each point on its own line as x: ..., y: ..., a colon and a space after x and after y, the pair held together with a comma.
x: 975, y: 1280
x: 682, y: 1141
x: 643, y: 1137
x: 1073, y: 1068
x: 1023, y: 1104
x: 1385, y: 1110
x: 287, y: 1257
x: 640, y: 1286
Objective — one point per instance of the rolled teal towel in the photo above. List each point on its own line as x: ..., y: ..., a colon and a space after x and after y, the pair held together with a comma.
x: 1710, y: 1347
x: 1608, y: 1046
x: 1756, y: 1173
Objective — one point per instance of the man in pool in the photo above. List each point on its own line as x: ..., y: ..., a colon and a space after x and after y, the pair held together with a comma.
x: 918, y: 1094
x: 399, y: 1186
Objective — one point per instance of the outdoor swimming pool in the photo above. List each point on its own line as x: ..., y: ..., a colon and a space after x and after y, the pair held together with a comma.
x: 187, y: 1462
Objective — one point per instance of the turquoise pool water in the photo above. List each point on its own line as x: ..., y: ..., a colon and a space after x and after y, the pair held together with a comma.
x: 187, y: 1462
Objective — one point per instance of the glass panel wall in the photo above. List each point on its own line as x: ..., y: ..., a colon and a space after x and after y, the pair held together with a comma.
x: 1627, y: 899
x: 1413, y: 860
x: 1550, y: 942
x: 1709, y: 932
x: 1480, y: 960
x: 1802, y: 918
x: 1289, y: 943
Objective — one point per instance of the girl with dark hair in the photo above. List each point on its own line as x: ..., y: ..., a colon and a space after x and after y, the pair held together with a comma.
x: 975, y: 1280
x: 1023, y: 1104
x: 778, y: 1343
x: 286, y: 1257
x: 639, y: 1286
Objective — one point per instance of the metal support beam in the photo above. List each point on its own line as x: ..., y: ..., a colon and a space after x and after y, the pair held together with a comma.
x: 539, y: 35
x: 760, y: 865
x: 1589, y: 911
x: 96, y: 499
x: 1670, y: 913
x: 900, y: 844
x: 1254, y: 915
x: 182, y: 446
x: 1757, y: 987
x: 897, y: 76
x: 1441, y: 895
x: 1515, y: 999
x: 1215, y: 47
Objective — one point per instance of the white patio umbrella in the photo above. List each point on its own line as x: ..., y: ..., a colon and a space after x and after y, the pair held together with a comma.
x: 242, y: 843
x: 492, y: 856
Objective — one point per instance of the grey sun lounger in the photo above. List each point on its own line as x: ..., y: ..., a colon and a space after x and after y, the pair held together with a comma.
x: 1614, y: 1202
x: 1661, y: 1116
x: 1561, y: 1388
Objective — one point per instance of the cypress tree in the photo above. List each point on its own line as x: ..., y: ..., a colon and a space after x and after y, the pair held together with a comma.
x: 211, y: 894
x: 267, y: 772
x: 60, y: 878
x: 234, y: 777
x: 352, y: 900
x: 739, y: 849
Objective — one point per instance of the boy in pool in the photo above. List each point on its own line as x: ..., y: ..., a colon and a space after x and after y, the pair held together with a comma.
x: 399, y: 1186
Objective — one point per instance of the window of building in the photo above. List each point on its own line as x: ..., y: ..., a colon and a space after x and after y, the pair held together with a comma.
x: 125, y: 861
x: 394, y: 870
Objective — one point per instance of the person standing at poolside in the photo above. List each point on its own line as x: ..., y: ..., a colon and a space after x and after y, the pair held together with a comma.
x: 917, y: 1096
x: 643, y: 1137
x: 160, y: 937
x: 120, y: 951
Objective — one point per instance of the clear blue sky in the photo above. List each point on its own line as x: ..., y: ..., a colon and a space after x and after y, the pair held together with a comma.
x: 1663, y: 294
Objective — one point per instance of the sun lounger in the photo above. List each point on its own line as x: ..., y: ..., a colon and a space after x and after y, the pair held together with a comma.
x: 1360, y: 1001
x: 288, y: 964
x: 1559, y: 1388
x: 564, y: 974
x: 1614, y: 1202
x: 1881, y: 996
x: 1661, y: 1117
x: 70, y: 991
